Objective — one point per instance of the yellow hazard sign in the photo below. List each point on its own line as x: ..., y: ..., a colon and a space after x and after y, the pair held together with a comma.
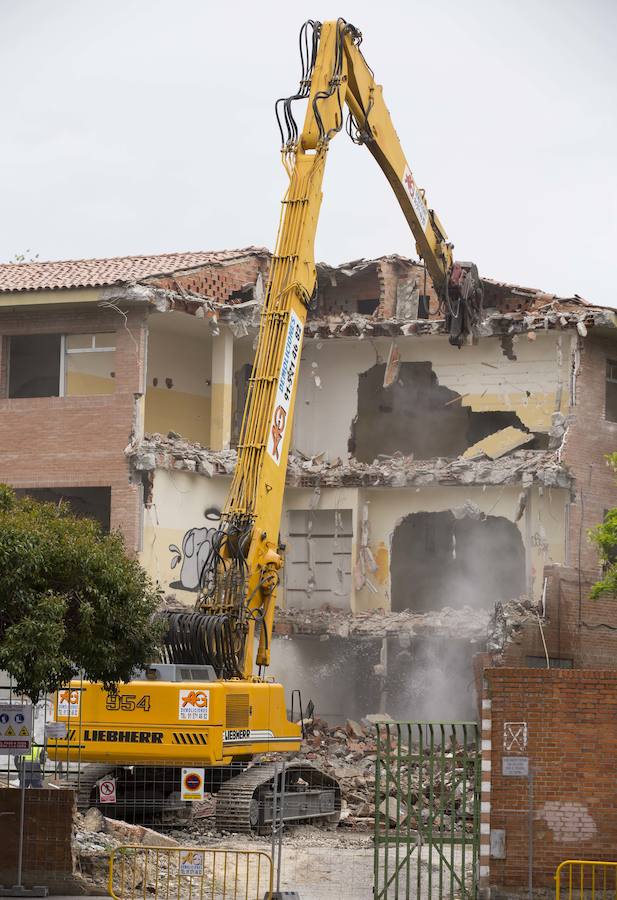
x: 23, y: 732
x: 10, y: 731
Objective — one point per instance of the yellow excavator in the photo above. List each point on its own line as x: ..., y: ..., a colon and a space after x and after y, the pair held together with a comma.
x: 204, y: 704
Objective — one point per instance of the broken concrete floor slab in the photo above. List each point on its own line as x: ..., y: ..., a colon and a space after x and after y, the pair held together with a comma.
x: 518, y: 467
x: 498, y: 444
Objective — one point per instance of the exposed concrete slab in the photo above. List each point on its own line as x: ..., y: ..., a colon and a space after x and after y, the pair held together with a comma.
x: 495, y: 445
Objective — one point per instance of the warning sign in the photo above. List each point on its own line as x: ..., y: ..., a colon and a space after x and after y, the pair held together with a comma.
x: 194, y: 705
x: 15, y: 727
x: 107, y: 790
x: 191, y: 862
x: 193, y: 784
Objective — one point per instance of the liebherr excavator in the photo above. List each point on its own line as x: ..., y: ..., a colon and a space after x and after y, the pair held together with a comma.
x: 204, y: 705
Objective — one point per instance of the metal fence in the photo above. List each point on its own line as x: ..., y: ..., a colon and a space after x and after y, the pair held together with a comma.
x: 425, y: 841
x: 427, y: 797
x: 189, y: 872
x: 583, y: 879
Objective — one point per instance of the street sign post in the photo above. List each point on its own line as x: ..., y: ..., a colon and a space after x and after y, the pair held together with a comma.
x: 16, y: 736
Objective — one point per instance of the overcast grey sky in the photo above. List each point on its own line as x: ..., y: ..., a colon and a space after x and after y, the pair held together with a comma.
x: 145, y: 126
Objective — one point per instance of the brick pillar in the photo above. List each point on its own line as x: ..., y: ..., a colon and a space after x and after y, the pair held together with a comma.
x: 222, y: 381
x: 485, y: 797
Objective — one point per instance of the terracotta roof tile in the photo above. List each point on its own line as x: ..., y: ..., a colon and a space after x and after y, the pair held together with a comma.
x: 80, y: 273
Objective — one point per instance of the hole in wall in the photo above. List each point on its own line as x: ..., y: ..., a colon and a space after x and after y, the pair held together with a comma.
x: 417, y: 416
x: 437, y: 561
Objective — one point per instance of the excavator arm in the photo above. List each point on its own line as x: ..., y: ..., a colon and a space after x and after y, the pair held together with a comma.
x: 240, y: 578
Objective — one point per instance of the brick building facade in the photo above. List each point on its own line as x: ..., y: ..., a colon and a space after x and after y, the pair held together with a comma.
x: 425, y: 484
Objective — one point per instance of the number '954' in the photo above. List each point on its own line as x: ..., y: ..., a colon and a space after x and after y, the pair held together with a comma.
x: 127, y: 702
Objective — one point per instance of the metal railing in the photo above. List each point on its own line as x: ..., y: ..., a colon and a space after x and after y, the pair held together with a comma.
x: 189, y: 872
x: 586, y: 879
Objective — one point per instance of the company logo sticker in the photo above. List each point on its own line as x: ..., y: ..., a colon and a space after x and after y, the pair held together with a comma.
x: 194, y: 705
x: 284, y: 387
x: 417, y: 201
x: 191, y: 862
x: 68, y: 702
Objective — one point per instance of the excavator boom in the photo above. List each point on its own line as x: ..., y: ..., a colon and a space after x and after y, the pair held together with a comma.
x: 203, y: 705
x: 241, y: 577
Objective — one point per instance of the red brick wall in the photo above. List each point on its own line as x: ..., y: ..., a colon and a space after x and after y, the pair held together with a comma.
x: 576, y: 627
x: 589, y: 438
x: 571, y: 721
x: 217, y: 282
x: 76, y: 441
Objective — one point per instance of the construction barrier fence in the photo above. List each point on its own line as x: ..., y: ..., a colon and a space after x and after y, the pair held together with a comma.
x: 184, y: 873
x: 586, y: 879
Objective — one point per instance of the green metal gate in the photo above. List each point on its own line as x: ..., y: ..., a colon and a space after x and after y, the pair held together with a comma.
x: 427, y: 810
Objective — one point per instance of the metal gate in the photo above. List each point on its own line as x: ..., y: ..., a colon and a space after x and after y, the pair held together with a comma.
x: 427, y: 810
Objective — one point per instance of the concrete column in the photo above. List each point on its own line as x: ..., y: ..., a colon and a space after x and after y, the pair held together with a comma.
x: 221, y: 386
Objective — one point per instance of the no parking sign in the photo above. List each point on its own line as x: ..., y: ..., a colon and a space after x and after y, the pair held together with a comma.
x: 193, y: 784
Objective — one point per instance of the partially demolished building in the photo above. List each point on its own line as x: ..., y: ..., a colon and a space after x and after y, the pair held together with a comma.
x: 438, y: 500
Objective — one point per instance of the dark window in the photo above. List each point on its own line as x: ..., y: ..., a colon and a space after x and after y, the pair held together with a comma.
x: 610, y: 410
x: 539, y: 662
x: 423, y: 306
x: 34, y: 365
x: 85, y: 502
x: 367, y: 307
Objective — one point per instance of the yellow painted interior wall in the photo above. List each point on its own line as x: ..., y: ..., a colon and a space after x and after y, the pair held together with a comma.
x: 170, y: 410
x: 185, y: 359
x: 87, y: 374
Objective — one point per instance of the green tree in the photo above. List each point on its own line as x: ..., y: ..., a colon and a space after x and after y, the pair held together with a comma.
x: 604, y: 536
x: 71, y: 599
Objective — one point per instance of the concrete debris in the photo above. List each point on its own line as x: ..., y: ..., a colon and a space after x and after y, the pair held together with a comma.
x: 466, y: 624
x: 507, y: 620
x: 157, y: 451
x: 559, y: 424
x: 349, y: 754
x: 95, y: 836
x: 520, y: 467
x: 499, y: 443
x: 493, y: 324
x: 468, y: 510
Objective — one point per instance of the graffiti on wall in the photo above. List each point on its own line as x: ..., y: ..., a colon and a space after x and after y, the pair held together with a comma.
x: 196, y: 546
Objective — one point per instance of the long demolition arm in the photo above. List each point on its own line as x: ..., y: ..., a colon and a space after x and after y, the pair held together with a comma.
x: 239, y: 581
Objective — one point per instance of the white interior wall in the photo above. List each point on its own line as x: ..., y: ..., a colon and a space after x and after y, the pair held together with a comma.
x: 533, y: 385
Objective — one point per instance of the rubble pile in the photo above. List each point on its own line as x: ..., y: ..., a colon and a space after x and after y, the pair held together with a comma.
x: 349, y: 754
x: 570, y: 314
x: 524, y: 467
x: 95, y: 836
x: 495, y: 626
x: 172, y: 451
x: 520, y: 467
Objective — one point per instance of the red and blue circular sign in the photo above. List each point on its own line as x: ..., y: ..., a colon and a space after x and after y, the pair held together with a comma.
x: 192, y: 781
